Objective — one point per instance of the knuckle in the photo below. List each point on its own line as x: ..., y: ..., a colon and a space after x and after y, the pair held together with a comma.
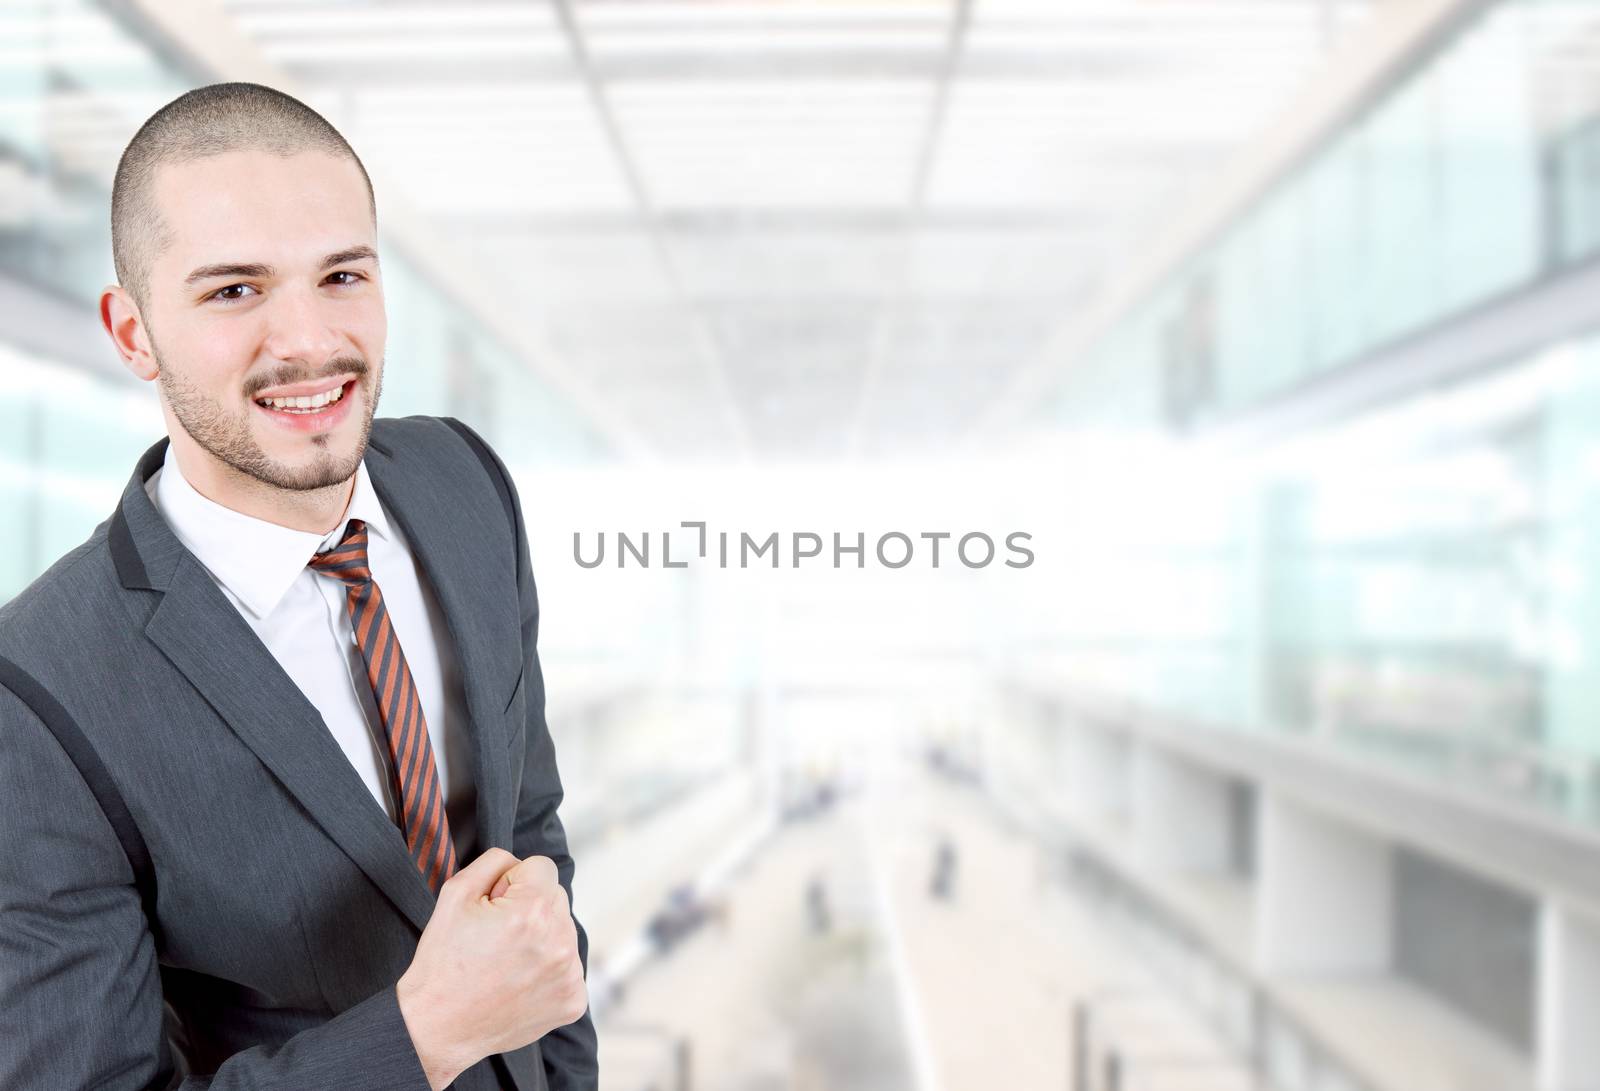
x: 563, y: 954
x: 453, y: 888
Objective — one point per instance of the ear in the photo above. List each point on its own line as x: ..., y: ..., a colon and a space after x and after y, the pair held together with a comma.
x: 119, y: 314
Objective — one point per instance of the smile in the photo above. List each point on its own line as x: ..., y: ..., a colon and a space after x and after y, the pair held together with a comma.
x: 304, y: 403
x: 309, y: 412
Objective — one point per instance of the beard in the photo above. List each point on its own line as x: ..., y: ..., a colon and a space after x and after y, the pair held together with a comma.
x: 228, y: 437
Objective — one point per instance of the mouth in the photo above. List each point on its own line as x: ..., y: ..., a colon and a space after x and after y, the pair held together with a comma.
x: 314, y: 413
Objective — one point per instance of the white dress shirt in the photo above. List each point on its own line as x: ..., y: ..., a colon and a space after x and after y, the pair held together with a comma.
x: 302, y: 618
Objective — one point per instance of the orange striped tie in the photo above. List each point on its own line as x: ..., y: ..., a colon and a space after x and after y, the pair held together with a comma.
x: 412, y: 772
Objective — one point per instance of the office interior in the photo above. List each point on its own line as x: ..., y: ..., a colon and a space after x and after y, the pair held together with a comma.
x: 1273, y: 324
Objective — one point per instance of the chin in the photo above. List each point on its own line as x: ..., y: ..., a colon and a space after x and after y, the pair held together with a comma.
x: 331, y: 461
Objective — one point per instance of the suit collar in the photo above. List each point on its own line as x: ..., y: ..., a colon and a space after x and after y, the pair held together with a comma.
x: 256, y: 559
x: 143, y: 547
x: 206, y: 639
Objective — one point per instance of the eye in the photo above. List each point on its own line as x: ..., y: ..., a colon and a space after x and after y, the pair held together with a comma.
x: 347, y: 273
x: 224, y: 293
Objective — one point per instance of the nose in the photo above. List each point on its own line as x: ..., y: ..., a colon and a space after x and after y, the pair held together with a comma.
x: 300, y: 327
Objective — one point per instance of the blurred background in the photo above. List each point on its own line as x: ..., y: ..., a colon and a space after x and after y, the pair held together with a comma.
x: 1273, y: 324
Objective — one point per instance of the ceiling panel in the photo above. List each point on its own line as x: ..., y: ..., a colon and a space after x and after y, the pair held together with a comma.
x: 784, y: 228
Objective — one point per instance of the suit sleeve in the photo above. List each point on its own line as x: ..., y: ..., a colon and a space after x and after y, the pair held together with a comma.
x: 570, y: 1052
x: 80, y: 991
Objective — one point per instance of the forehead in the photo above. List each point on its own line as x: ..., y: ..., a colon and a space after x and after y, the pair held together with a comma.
x: 251, y: 205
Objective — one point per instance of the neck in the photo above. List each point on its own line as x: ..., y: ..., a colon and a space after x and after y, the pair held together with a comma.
x: 315, y: 510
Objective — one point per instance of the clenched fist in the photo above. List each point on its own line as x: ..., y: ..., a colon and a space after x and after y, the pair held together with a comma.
x: 496, y: 968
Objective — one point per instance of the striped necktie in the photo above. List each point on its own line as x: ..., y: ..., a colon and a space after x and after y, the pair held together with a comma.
x: 413, y: 775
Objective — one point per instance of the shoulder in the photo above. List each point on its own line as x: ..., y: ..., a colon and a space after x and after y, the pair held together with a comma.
x: 74, y: 604
x: 429, y: 435
x: 423, y: 431
x: 452, y: 445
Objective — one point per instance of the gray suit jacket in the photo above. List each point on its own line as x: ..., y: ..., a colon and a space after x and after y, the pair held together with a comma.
x: 286, y: 904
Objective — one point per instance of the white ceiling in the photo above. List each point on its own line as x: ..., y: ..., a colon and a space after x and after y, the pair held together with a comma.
x: 798, y: 228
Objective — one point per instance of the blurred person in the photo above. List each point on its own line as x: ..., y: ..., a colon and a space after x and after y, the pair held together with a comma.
x: 277, y: 792
x: 683, y: 912
x: 943, y: 881
x: 817, y: 912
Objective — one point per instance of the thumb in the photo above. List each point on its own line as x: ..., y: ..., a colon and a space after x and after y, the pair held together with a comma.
x: 480, y: 876
x: 538, y: 870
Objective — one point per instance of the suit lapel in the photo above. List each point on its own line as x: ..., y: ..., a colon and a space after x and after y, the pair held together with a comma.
x: 454, y: 549
x: 204, y: 637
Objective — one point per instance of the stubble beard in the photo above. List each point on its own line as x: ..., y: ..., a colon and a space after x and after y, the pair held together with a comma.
x: 227, y: 436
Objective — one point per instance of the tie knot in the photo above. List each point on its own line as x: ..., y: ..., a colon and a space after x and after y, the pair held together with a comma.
x: 346, y: 561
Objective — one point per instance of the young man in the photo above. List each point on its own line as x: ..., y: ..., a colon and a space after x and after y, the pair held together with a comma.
x: 277, y: 795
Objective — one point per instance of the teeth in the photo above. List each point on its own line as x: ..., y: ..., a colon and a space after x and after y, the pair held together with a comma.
x: 304, y: 402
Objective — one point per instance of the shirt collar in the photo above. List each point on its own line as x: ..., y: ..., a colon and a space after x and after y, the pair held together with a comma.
x: 253, y: 558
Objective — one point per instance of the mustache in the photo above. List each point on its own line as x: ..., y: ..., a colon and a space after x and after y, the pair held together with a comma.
x: 353, y: 365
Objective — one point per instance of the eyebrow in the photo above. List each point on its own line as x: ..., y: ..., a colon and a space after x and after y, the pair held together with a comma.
x: 258, y: 269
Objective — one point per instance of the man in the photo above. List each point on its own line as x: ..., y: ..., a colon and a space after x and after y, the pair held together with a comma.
x: 277, y: 797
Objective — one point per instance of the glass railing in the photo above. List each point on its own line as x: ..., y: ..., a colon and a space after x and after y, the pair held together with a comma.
x: 1416, y: 585
x: 1275, y: 1048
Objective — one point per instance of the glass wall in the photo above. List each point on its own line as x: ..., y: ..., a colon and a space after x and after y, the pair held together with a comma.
x: 75, y: 84
x: 1473, y: 176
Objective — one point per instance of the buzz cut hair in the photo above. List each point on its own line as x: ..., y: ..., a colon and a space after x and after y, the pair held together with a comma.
x: 210, y: 120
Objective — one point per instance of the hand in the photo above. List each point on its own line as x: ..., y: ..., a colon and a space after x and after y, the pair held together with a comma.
x: 497, y: 966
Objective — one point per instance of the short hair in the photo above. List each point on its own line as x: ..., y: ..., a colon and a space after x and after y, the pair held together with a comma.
x: 211, y: 120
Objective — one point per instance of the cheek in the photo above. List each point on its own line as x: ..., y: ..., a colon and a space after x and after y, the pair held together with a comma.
x: 213, y: 358
x: 371, y: 333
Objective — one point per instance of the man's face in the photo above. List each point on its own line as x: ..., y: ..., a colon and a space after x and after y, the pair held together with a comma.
x: 269, y: 286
